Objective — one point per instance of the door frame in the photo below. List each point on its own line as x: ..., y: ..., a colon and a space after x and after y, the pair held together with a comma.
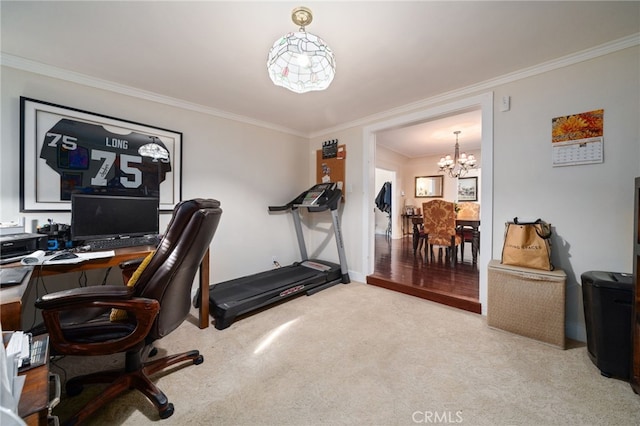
x: 484, y: 102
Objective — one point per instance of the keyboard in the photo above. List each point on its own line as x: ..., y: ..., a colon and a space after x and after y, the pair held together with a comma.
x: 114, y: 243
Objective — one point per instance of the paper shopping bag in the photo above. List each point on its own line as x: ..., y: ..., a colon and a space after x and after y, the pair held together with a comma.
x: 527, y: 244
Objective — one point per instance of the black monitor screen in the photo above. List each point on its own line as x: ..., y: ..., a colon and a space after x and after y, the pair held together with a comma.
x: 107, y: 216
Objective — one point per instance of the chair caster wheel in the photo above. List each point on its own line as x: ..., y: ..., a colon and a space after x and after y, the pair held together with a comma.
x: 198, y: 360
x: 167, y: 412
x: 73, y: 389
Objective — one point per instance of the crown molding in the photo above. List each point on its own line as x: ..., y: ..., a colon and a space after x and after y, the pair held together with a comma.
x: 86, y: 80
x: 572, y: 59
x: 83, y: 79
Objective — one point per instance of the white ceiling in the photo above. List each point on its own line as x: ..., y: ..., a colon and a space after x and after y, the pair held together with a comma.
x: 435, y: 137
x: 212, y: 54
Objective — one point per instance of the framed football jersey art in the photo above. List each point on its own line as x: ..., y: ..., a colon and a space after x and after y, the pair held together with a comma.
x: 65, y: 150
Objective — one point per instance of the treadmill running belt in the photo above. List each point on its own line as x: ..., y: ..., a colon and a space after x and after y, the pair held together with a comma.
x: 251, y: 285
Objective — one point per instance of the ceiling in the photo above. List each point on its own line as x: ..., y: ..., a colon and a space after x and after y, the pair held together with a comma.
x: 212, y: 54
x: 435, y: 137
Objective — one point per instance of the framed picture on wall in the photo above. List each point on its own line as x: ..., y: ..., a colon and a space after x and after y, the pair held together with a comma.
x: 468, y: 189
x: 65, y: 150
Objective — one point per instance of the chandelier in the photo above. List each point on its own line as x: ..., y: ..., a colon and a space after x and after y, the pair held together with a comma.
x: 460, y: 164
x: 301, y: 61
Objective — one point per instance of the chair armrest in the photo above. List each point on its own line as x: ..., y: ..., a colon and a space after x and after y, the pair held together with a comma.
x: 144, y: 310
x: 131, y: 263
x: 64, y: 299
x: 128, y: 267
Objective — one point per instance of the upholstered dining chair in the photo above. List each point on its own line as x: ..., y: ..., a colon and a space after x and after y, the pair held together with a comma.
x: 469, y: 211
x: 102, y: 320
x: 439, y: 228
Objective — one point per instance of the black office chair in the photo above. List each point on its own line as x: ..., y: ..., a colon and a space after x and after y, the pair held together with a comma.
x: 79, y: 323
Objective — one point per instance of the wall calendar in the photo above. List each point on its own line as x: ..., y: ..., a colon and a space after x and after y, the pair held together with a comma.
x: 578, y: 139
x: 585, y: 151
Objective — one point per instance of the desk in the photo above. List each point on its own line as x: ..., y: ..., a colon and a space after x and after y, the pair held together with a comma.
x: 13, y: 299
x: 474, y: 224
x: 11, y: 303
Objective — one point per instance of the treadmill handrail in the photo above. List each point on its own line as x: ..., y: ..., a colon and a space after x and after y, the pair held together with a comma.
x: 279, y: 208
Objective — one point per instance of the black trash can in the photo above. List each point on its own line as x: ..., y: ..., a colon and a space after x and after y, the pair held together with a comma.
x: 607, y: 313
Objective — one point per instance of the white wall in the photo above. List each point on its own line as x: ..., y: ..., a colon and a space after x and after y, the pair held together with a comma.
x: 590, y: 207
x: 247, y: 168
x: 319, y: 239
x: 428, y: 166
x: 406, y: 170
x: 392, y: 161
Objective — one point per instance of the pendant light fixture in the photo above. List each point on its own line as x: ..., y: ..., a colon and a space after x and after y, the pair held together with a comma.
x: 460, y: 164
x: 301, y: 61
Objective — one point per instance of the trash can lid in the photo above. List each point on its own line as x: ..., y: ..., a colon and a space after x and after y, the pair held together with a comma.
x: 614, y: 280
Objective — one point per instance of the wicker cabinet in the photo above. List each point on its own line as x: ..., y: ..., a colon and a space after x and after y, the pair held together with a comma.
x: 528, y: 302
x: 635, y: 300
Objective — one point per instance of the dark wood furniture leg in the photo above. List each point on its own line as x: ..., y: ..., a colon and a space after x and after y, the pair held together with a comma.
x: 475, y: 245
x: 204, y: 292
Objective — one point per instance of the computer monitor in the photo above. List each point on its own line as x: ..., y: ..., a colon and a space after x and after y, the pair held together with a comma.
x: 95, y: 217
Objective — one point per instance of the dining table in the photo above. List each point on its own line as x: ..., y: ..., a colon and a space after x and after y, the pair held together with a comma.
x: 461, y: 223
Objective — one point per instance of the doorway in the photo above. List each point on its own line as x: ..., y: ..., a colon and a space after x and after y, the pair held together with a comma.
x: 485, y: 103
x: 384, y: 223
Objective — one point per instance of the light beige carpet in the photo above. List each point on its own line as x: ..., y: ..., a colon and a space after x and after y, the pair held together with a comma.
x: 362, y: 355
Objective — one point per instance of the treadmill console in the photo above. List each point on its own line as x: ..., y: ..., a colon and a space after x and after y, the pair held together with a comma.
x: 318, y: 198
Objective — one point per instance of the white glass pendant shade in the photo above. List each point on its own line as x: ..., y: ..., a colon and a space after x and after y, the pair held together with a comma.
x: 301, y: 62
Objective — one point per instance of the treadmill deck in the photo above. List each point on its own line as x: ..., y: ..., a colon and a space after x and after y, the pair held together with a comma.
x: 241, y: 295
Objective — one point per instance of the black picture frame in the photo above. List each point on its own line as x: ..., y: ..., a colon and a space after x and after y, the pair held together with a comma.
x: 45, y: 189
x: 468, y: 189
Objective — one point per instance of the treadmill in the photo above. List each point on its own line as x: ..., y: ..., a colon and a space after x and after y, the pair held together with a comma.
x: 229, y: 299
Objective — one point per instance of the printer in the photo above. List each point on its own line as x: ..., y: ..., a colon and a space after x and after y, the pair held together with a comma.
x: 16, y: 244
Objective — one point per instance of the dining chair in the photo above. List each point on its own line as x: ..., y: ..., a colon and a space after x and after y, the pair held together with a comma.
x: 468, y: 211
x: 439, y: 229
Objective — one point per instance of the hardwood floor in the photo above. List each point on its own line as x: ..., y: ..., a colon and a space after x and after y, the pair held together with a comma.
x: 396, y: 268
